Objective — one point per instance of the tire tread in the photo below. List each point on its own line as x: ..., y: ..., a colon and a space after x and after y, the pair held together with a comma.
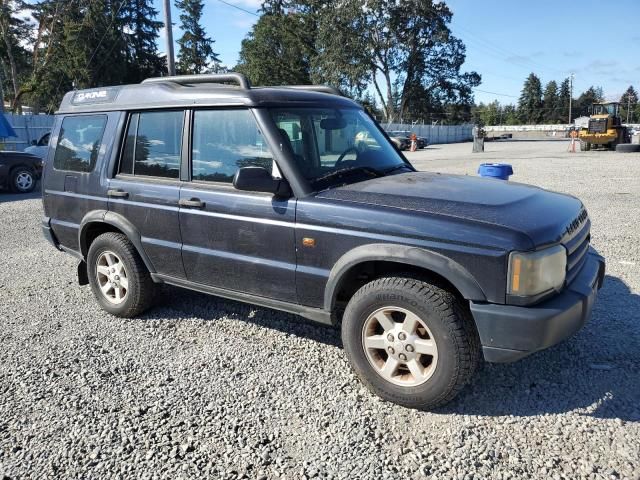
x: 457, y: 321
x: 144, y: 288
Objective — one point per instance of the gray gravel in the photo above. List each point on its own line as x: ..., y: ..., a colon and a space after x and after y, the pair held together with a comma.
x: 205, y: 388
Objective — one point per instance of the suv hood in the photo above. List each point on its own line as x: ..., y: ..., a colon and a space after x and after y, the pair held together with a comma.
x: 542, y: 215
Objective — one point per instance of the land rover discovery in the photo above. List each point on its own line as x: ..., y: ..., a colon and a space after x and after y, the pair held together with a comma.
x: 265, y: 195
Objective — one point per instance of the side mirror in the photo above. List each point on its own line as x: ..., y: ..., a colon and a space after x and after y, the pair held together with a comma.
x: 258, y: 179
x: 34, y: 142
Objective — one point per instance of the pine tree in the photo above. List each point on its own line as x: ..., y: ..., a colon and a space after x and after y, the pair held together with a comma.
x: 530, y: 102
x: 140, y: 31
x: 563, y: 101
x: 590, y: 96
x: 550, y: 99
x: 196, y: 49
x: 628, y: 104
x: 510, y: 115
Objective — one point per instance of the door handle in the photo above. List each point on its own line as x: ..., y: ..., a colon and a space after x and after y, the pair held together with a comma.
x: 117, y: 193
x: 191, y: 203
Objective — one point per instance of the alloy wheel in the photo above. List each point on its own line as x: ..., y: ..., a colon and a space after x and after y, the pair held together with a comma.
x: 399, y: 346
x: 112, y: 277
x: 24, y: 181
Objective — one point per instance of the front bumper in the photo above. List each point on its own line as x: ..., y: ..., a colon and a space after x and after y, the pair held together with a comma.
x: 597, y: 138
x: 509, y: 333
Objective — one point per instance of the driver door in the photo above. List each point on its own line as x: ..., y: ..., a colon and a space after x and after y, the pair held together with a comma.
x: 233, y: 240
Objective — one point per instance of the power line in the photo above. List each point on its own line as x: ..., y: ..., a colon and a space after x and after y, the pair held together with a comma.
x: 113, y: 19
x: 237, y: 7
x: 503, y: 51
x: 496, y: 93
x: 240, y: 8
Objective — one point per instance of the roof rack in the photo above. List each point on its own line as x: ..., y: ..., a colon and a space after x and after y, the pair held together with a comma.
x: 316, y: 88
x: 240, y: 79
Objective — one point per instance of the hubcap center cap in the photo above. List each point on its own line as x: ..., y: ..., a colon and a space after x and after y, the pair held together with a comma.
x: 400, y: 345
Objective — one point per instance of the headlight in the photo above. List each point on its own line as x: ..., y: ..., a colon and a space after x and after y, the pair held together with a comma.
x: 532, y: 273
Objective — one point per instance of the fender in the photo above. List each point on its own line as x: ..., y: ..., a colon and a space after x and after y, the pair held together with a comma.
x: 121, y: 223
x: 457, y: 275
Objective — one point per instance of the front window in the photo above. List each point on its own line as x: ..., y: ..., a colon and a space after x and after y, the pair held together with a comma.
x: 223, y: 142
x: 335, y: 146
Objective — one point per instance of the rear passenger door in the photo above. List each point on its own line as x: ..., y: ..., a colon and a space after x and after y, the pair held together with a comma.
x: 146, y: 187
x: 234, y: 240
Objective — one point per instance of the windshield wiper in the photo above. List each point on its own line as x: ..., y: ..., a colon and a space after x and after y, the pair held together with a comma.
x: 348, y: 171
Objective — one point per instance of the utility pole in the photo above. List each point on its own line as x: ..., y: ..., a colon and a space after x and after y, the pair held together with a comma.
x: 171, y: 66
x: 570, y: 96
x: 628, y: 106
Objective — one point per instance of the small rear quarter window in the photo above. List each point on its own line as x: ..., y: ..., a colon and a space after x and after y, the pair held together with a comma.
x: 79, y: 142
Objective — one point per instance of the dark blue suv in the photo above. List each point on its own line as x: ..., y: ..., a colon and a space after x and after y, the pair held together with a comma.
x: 265, y: 195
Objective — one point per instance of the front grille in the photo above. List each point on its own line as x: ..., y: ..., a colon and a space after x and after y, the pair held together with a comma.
x: 598, y: 125
x: 577, y: 245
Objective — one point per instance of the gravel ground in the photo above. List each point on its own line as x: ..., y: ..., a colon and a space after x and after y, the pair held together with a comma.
x: 205, y: 388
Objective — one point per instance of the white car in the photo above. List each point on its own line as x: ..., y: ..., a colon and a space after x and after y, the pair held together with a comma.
x: 39, y: 148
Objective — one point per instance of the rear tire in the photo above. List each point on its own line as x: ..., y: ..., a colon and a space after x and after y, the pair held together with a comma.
x: 22, y: 180
x: 119, y: 279
x: 628, y: 147
x: 410, y: 342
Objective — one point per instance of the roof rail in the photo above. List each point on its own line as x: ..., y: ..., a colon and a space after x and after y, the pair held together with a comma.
x: 238, y: 78
x: 316, y: 88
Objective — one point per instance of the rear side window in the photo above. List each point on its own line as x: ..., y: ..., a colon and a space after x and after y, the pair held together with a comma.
x: 79, y: 143
x: 153, y: 144
x: 223, y: 142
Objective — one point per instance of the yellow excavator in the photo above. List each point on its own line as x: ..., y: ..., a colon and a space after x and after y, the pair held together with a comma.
x: 604, y: 129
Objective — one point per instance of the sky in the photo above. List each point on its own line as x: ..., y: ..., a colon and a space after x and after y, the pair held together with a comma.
x: 505, y: 39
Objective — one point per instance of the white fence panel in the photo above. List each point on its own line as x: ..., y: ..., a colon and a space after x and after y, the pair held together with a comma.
x: 28, y: 128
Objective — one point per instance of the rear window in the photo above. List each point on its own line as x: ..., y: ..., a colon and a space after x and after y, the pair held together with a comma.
x: 79, y: 143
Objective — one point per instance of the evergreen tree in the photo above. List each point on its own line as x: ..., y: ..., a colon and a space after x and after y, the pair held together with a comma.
x: 491, y: 114
x: 530, y: 102
x: 196, y: 49
x: 551, y: 101
x: 404, y: 51
x: 89, y: 43
x: 510, y: 115
x: 140, y: 30
x: 628, y: 105
x: 476, y: 114
x: 563, y: 101
x: 587, y: 99
x: 278, y: 50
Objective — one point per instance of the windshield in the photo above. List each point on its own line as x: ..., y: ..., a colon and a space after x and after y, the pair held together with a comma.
x: 605, y: 109
x: 335, y: 146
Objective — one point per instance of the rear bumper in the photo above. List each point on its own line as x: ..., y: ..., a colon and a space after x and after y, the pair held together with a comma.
x: 509, y: 333
x: 48, y: 233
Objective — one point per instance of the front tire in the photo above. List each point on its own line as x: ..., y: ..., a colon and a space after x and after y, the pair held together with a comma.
x: 119, y: 279
x: 22, y: 180
x: 410, y: 342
